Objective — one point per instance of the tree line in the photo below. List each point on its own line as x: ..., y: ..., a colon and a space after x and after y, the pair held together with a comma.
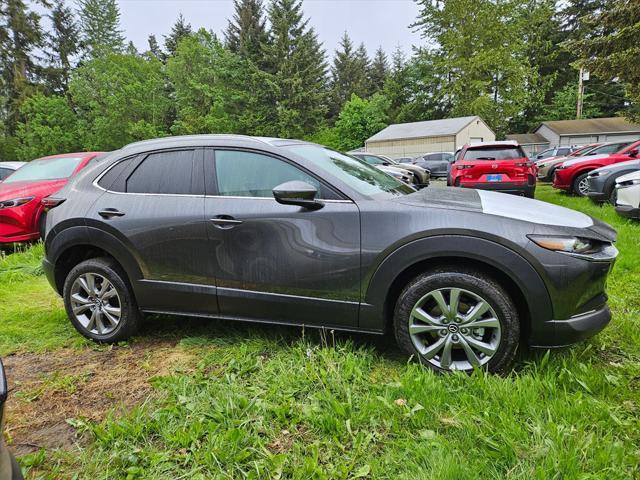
x: 80, y: 85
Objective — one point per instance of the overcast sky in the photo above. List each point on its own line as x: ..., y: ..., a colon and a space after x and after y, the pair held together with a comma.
x: 374, y: 22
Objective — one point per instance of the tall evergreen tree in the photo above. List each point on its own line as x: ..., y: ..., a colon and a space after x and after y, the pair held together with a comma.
x: 297, y: 61
x: 246, y: 34
x: 485, y: 61
x: 180, y: 30
x: 348, y: 74
x: 20, y: 36
x: 612, y: 50
x: 100, y: 23
x: 379, y: 70
x: 154, y: 47
x: 63, y: 45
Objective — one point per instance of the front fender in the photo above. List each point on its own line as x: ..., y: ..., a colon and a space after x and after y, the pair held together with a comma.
x: 518, y: 269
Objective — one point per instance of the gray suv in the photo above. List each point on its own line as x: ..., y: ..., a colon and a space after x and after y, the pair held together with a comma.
x: 289, y: 232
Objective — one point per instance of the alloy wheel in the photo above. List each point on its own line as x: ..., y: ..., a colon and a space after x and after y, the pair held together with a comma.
x: 96, y: 303
x: 583, y: 186
x: 455, y: 329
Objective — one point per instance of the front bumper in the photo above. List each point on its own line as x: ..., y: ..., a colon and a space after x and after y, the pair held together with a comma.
x: 560, y: 333
x: 18, y: 224
x: 628, y: 211
x: 562, y: 179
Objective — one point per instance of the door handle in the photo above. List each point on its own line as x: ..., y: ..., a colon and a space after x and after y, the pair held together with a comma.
x: 110, y: 212
x: 225, y: 221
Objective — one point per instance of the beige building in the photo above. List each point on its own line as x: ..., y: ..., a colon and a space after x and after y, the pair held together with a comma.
x: 417, y: 138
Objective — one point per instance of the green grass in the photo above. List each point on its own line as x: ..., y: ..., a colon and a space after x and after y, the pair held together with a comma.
x: 32, y: 318
x: 264, y: 402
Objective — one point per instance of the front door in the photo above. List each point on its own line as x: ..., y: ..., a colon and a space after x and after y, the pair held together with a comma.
x: 278, y: 262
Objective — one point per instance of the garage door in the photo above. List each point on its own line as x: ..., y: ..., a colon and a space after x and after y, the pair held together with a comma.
x: 620, y: 138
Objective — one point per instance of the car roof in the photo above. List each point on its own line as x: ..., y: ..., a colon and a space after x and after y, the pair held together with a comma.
x: 213, y: 139
x: 499, y: 143
x: 12, y: 165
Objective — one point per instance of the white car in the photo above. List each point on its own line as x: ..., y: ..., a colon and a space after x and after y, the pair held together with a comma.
x: 628, y: 195
x: 7, y: 168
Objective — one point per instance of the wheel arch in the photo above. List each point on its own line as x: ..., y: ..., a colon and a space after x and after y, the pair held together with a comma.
x: 511, y: 270
x: 77, y: 244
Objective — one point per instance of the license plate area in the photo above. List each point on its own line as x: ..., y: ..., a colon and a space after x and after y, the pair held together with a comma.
x: 494, y: 178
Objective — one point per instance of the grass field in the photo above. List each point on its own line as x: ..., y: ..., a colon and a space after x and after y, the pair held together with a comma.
x: 206, y: 399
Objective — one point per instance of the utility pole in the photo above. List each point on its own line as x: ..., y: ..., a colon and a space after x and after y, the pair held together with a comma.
x: 584, y: 77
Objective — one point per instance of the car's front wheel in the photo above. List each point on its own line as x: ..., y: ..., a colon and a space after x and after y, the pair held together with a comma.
x: 457, y: 319
x: 581, y: 185
x: 99, y: 301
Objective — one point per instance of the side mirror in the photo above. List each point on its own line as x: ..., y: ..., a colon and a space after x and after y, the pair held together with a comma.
x: 633, y: 153
x: 297, y: 193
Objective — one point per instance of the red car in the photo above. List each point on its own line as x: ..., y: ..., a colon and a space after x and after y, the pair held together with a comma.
x: 22, y: 192
x: 499, y: 166
x: 572, y: 174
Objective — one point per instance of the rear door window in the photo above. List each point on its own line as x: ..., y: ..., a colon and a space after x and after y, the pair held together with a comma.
x: 168, y: 173
x: 494, y: 153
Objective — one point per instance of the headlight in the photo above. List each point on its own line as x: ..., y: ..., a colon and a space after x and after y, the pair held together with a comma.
x: 629, y: 183
x: 585, y: 248
x: 577, y: 245
x: 16, y: 202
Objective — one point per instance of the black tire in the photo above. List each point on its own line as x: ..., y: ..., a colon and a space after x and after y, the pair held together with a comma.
x: 473, y: 281
x: 613, y: 196
x: 530, y: 194
x: 42, y: 224
x: 575, y: 187
x: 130, y: 316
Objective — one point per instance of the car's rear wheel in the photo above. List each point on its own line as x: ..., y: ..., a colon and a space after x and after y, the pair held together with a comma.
x: 581, y: 184
x: 99, y: 301
x: 457, y: 319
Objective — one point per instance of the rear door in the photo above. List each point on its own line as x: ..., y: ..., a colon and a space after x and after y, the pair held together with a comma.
x: 154, y: 203
x: 277, y: 262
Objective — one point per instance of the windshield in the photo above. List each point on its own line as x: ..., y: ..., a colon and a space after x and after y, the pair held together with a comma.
x: 364, y: 179
x: 45, y: 169
x: 372, y: 160
x: 611, y: 148
x: 545, y: 153
x: 582, y: 151
x: 494, y: 153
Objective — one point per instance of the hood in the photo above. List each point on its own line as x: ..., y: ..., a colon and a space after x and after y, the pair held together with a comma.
x: 619, y: 166
x: 498, y: 204
x: 628, y: 176
x: 44, y: 188
x: 587, y: 158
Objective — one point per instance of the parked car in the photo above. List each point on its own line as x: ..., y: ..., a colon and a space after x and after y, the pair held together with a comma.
x: 499, y: 166
x: 398, y: 172
x: 289, y: 232
x: 553, y: 152
x: 602, y: 181
x: 22, y: 192
x: 9, y: 468
x: 7, y: 168
x: 572, y: 174
x: 437, y: 163
x: 547, y: 167
x: 628, y: 195
x: 422, y: 175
